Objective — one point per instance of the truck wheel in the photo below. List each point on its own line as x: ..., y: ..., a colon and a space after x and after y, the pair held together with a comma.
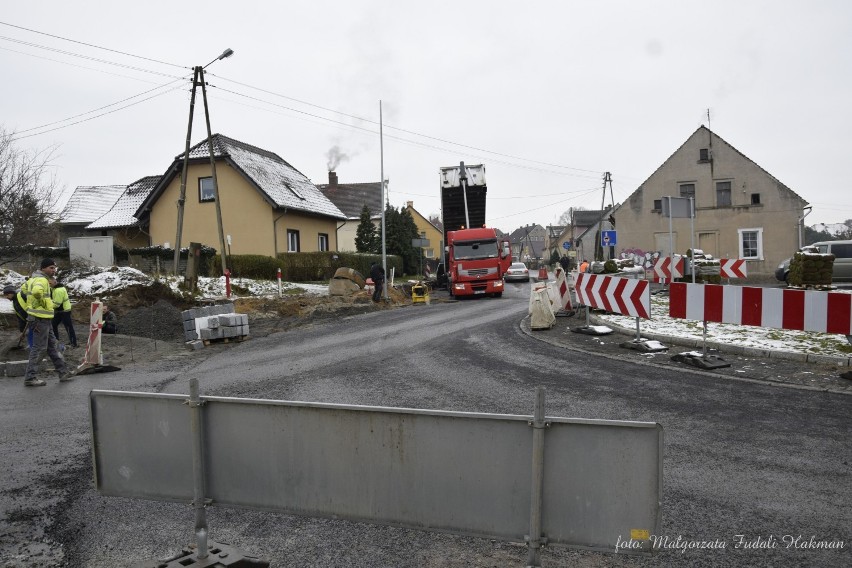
x: 498, y: 294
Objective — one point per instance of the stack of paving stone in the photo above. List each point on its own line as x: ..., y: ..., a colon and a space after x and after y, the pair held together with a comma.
x: 213, y: 323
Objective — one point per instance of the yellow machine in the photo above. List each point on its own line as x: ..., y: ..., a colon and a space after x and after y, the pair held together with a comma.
x: 419, y: 293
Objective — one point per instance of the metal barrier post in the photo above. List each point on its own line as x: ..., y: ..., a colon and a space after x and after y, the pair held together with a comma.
x: 198, y: 503
x: 535, y: 539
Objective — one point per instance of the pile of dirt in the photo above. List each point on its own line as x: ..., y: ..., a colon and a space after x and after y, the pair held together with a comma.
x: 154, y: 311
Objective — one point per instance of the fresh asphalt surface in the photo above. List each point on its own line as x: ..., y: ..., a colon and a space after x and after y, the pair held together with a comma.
x: 746, y: 456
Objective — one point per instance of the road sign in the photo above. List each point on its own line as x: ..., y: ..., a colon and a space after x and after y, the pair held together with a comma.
x: 663, y: 267
x: 608, y: 239
x: 732, y: 268
x: 566, y: 245
x: 614, y: 294
x: 419, y: 243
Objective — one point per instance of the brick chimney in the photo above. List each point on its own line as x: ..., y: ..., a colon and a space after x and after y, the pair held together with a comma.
x: 332, y: 178
x: 411, y: 204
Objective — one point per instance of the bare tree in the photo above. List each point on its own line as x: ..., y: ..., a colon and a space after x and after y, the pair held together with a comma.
x: 28, y: 193
x: 565, y: 218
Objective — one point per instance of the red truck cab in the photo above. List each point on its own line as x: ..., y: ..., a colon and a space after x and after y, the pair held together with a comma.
x: 477, y: 260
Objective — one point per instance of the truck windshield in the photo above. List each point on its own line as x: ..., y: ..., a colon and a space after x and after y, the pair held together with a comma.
x: 473, y: 250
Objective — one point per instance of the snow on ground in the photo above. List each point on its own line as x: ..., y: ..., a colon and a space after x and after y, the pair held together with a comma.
x: 743, y: 335
x: 99, y: 282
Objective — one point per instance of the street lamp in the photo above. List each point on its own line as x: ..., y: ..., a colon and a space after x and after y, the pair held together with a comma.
x: 198, y: 77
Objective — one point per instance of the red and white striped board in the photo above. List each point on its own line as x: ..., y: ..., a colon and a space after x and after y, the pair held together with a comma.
x: 663, y: 267
x: 626, y: 296
x: 804, y: 310
x: 562, y: 289
x: 94, y: 355
x: 732, y: 268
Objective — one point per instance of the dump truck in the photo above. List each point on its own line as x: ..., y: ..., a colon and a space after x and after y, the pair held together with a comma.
x: 474, y: 257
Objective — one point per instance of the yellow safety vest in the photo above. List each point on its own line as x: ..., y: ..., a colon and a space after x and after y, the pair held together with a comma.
x: 42, y: 307
x: 61, y: 301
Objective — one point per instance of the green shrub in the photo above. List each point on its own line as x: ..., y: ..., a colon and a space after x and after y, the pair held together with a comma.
x: 321, y: 266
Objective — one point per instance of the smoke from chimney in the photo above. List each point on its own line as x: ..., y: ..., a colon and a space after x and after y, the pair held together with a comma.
x: 334, y: 157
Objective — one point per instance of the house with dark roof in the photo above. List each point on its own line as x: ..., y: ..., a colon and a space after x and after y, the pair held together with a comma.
x: 741, y: 210
x: 120, y: 221
x: 268, y: 206
x: 528, y: 242
x: 350, y: 198
x: 86, y: 204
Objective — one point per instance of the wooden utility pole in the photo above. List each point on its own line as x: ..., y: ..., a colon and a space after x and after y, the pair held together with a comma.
x: 198, y: 76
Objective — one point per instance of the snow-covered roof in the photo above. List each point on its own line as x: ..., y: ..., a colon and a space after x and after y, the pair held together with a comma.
x: 88, y: 202
x: 282, y: 185
x: 122, y: 212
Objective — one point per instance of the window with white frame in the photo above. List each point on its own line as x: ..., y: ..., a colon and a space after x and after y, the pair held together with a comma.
x: 751, y: 243
x: 292, y: 240
x: 322, y: 242
x: 205, y: 189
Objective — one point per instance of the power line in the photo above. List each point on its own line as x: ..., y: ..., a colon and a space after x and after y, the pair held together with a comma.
x: 69, y: 64
x: 398, y: 138
x: 81, y: 56
x: 100, y: 108
x: 93, y: 45
x: 97, y: 116
x: 411, y: 132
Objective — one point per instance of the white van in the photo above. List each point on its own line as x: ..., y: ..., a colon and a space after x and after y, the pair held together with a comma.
x: 842, y: 251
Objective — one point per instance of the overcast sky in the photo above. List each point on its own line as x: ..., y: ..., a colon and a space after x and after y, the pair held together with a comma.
x: 548, y: 95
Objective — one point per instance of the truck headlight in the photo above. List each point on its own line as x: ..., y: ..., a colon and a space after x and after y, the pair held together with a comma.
x: 458, y: 286
x: 498, y: 284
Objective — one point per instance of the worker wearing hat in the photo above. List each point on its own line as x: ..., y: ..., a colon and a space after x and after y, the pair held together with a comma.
x: 40, y: 317
x: 19, y: 302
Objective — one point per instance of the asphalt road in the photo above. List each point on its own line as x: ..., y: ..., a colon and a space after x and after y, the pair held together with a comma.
x: 747, y: 458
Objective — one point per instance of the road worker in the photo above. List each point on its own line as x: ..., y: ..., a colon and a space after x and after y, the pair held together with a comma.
x: 40, y: 319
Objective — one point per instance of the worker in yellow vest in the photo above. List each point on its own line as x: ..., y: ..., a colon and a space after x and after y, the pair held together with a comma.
x: 40, y: 319
x: 62, y: 311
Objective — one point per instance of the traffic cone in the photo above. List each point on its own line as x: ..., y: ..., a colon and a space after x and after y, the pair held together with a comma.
x: 542, y: 273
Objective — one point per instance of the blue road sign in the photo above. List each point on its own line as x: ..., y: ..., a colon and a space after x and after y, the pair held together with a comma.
x: 566, y: 245
x: 608, y: 239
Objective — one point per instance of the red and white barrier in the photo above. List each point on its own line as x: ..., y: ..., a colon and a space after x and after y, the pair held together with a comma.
x: 732, y: 268
x: 563, y: 289
x: 626, y: 296
x: 94, y: 355
x: 664, y: 265
x: 804, y: 310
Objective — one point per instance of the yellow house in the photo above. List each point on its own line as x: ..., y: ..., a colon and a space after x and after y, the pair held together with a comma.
x: 427, y: 231
x: 268, y: 206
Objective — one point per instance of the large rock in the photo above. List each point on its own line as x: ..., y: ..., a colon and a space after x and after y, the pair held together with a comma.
x: 349, y: 274
x: 342, y: 287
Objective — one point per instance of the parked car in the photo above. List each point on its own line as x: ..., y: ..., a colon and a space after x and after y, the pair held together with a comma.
x: 518, y: 272
x: 842, y: 251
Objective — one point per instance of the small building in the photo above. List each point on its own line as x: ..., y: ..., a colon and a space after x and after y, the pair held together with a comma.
x: 351, y: 198
x: 120, y: 222
x: 86, y: 204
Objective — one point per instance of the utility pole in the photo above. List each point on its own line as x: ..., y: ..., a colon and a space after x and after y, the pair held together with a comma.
x: 607, y: 179
x: 222, y: 250
x: 198, y: 76
x: 182, y: 197
x: 384, y: 204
